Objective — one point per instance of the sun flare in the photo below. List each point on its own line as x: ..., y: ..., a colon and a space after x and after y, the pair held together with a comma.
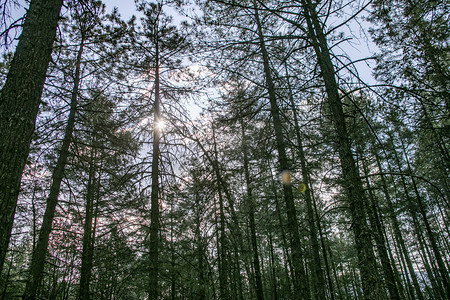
x: 160, y: 125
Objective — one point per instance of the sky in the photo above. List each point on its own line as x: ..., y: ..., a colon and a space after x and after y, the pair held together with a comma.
x: 359, y: 48
x: 126, y: 7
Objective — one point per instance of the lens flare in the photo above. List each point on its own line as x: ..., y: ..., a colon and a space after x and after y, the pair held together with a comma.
x: 286, y: 177
x: 301, y: 187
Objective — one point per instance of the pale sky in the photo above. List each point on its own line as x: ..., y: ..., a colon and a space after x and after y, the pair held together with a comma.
x: 126, y: 7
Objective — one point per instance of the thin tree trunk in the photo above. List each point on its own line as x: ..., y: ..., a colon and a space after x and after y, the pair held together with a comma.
x: 397, y: 231
x: 352, y: 181
x: 200, y: 252
x: 5, y: 281
x: 87, y: 252
x: 301, y: 288
x: 251, y: 216
x: 40, y: 251
x: 288, y: 266
x: 272, y: 266
x: 222, y: 240
x: 444, y: 277
x: 154, y: 196
x: 378, y: 235
x: 19, y: 104
x: 318, y: 281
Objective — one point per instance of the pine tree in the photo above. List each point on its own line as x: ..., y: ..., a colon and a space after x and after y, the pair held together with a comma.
x: 19, y: 103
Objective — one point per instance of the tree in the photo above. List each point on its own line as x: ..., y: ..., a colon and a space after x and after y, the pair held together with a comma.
x: 353, y: 184
x: 19, y: 104
x: 160, y: 43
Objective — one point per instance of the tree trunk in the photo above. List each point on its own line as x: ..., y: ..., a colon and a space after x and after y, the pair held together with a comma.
x: 251, y: 217
x: 40, y: 252
x: 154, y: 196
x: 375, y: 222
x: 444, y: 277
x: 301, y: 288
x: 222, y: 238
x: 201, y: 282
x: 274, y: 292
x: 397, y: 232
x: 88, y: 249
x: 352, y: 181
x: 318, y: 281
x: 19, y: 105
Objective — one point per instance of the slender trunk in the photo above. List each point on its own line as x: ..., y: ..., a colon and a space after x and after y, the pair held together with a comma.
x: 40, y: 251
x: 251, y: 217
x: 5, y: 281
x: 173, y: 292
x: 333, y: 268
x: 222, y: 249
x: 201, y: 275
x: 222, y: 239
x: 378, y: 235
x: 301, y: 288
x: 272, y: 265
x: 318, y: 281
x: 412, y: 209
x: 87, y: 252
x: 154, y: 196
x: 352, y: 181
x: 444, y: 277
x: 322, y: 243
x: 19, y: 104
x: 397, y: 232
x: 288, y: 265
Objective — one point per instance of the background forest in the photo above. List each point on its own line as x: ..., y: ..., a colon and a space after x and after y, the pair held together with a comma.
x: 222, y: 149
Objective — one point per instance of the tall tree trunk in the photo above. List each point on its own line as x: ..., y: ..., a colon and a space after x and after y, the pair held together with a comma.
x: 375, y: 222
x: 412, y: 209
x: 352, y: 181
x: 154, y: 196
x: 318, y: 280
x: 40, y: 251
x: 444, y: 275
x: 251, y: 216
x: 299, y: 276
x: 19, y: 104
x: 201, y: 282
x: 274, y: 292
x: 396, y: 227
x: 88, y: 238
x: 222, y: 238
x: 288, y: 265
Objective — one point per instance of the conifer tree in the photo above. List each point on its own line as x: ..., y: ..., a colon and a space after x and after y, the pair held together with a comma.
x: 19, y: 104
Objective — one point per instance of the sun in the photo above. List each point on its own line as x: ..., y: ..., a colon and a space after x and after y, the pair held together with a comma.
x: 160, y: 125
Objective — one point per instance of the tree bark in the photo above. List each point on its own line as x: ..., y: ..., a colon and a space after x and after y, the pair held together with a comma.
x: 397, y: 231
x: 19, y: 105
x: 88, y: 237
x: 352, y: 181
x: 251, y: 217
x: 154, y: 196
x: 40, y: 252
x: 318, y: 280
x: 301, y: 288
